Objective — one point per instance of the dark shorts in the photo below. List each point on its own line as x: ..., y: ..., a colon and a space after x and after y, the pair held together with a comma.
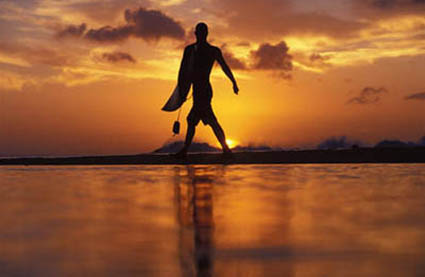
x: 201, y: 110
x: 204, y: 113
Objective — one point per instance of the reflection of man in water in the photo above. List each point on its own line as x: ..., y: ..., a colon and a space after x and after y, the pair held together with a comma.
x: 194, y: 199
x: 203, y: 55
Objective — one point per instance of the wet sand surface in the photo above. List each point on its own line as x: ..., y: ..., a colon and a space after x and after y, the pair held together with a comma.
x: 213, y: 220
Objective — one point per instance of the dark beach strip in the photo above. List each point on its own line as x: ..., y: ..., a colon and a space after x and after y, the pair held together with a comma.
x: 361, y: 155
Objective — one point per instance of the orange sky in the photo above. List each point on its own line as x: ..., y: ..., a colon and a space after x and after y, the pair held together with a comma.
x: 89, y: 77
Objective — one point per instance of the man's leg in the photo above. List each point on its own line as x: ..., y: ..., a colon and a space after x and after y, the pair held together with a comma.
x: 219, y: 133
x: 189, y: 137
x: 189, y: 134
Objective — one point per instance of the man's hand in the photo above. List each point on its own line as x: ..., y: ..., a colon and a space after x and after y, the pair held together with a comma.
x: 235, y: 88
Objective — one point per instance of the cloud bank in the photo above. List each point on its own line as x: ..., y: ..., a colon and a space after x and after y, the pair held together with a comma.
x: 141, y: 23
x: 273, y: 57
x: 368, y: 95
x: 118, y: 57
x: 267, y: 57
x: 416, y: 96
x: 72, y: 31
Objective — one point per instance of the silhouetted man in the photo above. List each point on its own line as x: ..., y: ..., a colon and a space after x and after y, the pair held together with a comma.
x: 202, y: 56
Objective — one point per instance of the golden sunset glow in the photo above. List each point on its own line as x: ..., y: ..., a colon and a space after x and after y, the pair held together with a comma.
x: 84, y: 77
x: 231, y: 143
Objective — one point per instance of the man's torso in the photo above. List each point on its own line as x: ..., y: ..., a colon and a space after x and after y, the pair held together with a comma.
x: 204, y: 56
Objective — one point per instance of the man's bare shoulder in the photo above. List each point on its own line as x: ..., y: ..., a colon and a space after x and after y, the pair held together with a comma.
x: 189, y: 47
x: 216, y: 51
x: 215, y: 48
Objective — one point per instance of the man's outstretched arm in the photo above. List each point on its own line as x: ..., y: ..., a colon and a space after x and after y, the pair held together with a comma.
x: 226, y: 70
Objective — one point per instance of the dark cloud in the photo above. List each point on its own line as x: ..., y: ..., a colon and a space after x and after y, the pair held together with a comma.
x: 152, y: 24
x: 109, y: 34
x: 273, y: 57
x: 416, y: 96
x: 234, y: 62
x: 231, y: 60
x: 315, y: 57
x: 388, y: 8
x: 338, y: 143
x: 318, y: 60
x: 265, y: 19
x: 391, y: 4
x: 118, y: 57
x: 314, y: 60
x: 383, y: 4
x: 368, y: 95
x: 267, y: 57
x: 72, y: 31
x: 141, y: 23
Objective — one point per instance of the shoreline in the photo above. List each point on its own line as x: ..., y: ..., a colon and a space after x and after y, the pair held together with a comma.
x: 360, y: 155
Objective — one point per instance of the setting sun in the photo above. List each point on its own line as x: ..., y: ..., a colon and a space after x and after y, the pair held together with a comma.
x: 231, y: 143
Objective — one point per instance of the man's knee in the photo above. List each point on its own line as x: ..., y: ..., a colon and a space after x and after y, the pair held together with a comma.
x: 191, y: 123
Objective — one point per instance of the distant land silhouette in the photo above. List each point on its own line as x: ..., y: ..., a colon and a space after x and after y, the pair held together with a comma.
x: 332, y: 143
x: 331, y: 150
x: 345, y: 143
x: 205, y: 147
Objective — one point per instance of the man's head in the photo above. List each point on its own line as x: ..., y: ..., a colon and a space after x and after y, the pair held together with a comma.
x: 201, y: 31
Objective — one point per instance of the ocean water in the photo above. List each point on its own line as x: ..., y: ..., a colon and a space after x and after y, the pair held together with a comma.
x: 238, y: 220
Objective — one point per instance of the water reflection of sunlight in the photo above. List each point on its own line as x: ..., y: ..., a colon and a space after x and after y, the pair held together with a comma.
x: 235, y: 220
